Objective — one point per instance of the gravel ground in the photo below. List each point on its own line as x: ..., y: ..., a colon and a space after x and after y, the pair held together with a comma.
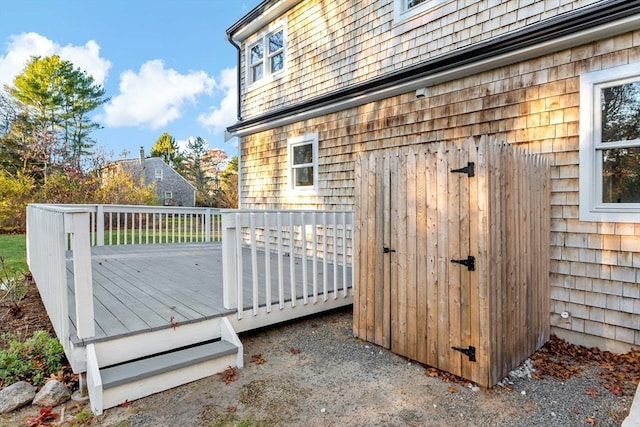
x: 315, y: 373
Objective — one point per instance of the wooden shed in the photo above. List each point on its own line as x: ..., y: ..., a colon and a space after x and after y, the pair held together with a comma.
x: 452, y: 255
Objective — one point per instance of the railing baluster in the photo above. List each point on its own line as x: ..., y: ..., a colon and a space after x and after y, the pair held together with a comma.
x: 254, y: 262
x: 292, y: 254
x: 280, y: 260
x: 303, y: 244
x: 267, y: 260
x: 314, y: 249
x: 335, y: 255
x: 240, y: 284
x: 325, y: 259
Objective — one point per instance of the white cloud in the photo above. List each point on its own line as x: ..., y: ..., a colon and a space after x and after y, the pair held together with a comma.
x: 23, y: 46
x: 224, y: 115
x: 154, y: 96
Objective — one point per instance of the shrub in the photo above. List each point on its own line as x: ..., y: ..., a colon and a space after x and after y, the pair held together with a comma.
x: 16, y: 191
x: 32, y: 360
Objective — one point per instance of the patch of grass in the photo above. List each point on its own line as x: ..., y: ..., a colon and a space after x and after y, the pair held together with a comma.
x: 13, y: 247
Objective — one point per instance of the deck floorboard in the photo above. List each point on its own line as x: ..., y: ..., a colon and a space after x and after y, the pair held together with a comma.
x: 141, y: 288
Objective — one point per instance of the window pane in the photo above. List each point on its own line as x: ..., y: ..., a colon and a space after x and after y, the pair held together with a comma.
x: 302, y: 154
x: 256, y: 73
x: 277, y: 62
x: 621, y: 175
x: 276, y: 42
x: 257, y: 52
x: 412, y: 3
x: 304, y: 176
x: 621, y: 112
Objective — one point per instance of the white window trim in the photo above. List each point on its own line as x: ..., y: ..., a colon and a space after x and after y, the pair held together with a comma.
x: 591, y: 207
x: 299, y: 140
x: 159, y: 174
x: 402, y: 13
x: 267, y: 75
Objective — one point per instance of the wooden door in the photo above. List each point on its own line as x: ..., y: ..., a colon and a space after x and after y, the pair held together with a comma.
x: 415, y: 228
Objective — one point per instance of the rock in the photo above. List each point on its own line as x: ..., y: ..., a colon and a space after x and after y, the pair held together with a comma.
x: 52, y: 394
x: 16, y: 396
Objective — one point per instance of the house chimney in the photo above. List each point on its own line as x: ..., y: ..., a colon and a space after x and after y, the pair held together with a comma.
x: 141, y: 155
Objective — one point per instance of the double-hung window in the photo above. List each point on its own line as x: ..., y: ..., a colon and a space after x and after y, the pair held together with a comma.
x: 610, y: 145
x: 158, y: 174
x: 266, y: 56
x: 303, y: 162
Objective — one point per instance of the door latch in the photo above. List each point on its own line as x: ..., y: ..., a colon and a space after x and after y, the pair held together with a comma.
x: 387, y: 250
x: 469, y: 352
x: 470, y: 262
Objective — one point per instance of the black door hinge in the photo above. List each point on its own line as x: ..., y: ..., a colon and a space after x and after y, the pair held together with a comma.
x: 387, y: 250
x: 470, y: 262
x: 470, y: 169
x: 469, y: 352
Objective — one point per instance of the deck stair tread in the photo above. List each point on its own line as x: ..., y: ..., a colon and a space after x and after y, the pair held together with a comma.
x: 155, y: 365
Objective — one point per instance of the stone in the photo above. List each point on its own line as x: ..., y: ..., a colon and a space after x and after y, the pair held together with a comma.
x: 52, y: 394
x: 16, y: 396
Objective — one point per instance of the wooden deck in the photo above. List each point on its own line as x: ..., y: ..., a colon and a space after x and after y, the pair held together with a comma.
x: 144, y: 288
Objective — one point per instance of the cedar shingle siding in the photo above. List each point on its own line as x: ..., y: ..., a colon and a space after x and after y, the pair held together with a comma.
x: 533, y: 103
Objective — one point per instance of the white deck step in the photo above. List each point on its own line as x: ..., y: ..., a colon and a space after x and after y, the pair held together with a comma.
x: 113, y: 385
x: 140, y: 378
x: 157, y: 365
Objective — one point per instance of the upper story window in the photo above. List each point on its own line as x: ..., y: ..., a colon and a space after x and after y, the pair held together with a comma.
x: 266, y: 56
x: 303, y: 162
x: 610, y: 145
x: 404, y: 9
x: 159, y: 174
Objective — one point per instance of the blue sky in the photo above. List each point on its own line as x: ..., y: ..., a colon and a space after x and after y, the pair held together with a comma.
x: 165, y: 64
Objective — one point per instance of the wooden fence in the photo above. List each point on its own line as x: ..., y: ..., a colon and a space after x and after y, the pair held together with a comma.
x: 452, y: 255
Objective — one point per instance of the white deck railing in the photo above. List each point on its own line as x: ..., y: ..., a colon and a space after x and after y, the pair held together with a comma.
x: 286, y: 247
x: 127, y: 225
x: 283, y: 258
x: 51, y: 230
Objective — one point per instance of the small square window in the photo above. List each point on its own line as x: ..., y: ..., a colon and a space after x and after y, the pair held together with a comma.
x: 303, y: 160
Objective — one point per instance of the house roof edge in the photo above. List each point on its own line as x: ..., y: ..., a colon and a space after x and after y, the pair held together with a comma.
x: 570, y: 29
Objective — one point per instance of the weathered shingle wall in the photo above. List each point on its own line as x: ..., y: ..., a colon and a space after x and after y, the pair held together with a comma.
x: 332, y: 44
x: 595, y: 267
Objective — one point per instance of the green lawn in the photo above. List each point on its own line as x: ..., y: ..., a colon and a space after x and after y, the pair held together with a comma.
x: 13, y: 248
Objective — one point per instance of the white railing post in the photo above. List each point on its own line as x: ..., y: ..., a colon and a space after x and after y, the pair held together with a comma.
x: 100, y: 225
x: 77, y: 224
x: 207, y: 225
x: 229, y: 261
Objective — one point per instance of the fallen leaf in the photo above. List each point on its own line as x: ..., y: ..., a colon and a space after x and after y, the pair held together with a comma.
x: 229, y: 374
x: 590, y: 421
x: 258, y: 359
x: 453, y: 389
x: 294, y: 350
x: 232, y: 409
x: 592, y: 392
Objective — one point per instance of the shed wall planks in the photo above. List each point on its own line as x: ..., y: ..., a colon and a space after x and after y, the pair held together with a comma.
x: 435, y: 216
